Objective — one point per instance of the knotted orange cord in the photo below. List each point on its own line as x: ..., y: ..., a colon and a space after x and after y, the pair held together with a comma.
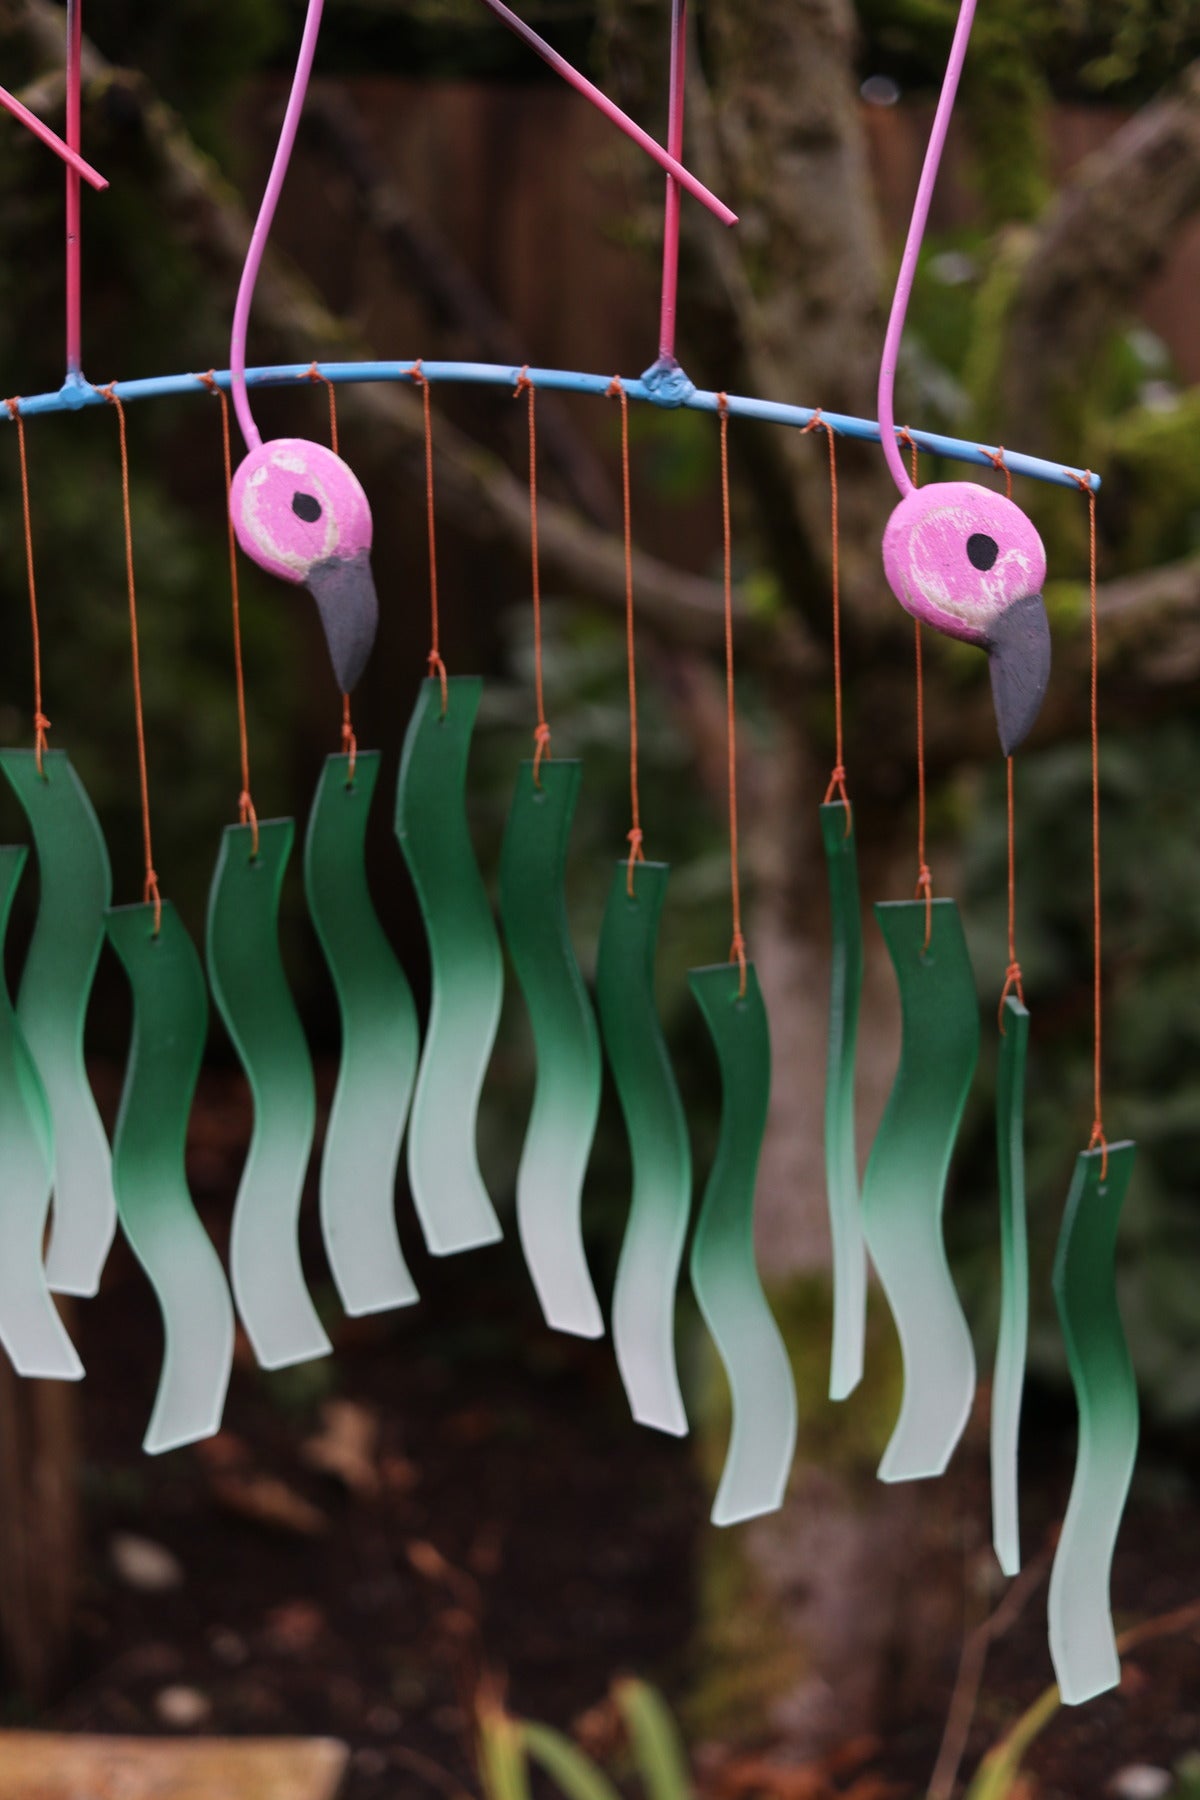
x: 41, y: 723
x: 924, y: 877
x: 150, y: 886
x: 349, y: 741
x: 837, y: 778
x: 635, y: 831
x: 436, y: 665
x: 314, y: 374
x: 246, y: 812
x: 737, y: 949
x: 1097, y: 1137
x: 996, y: 458
x: 541, y: 736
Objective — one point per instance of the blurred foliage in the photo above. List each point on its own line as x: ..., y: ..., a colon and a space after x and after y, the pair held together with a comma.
x: 508, y: 1747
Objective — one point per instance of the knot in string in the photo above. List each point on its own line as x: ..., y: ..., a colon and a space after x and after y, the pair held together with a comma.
x: 524, y: 385
x: 349, y: 741
x: 248, y: 816
x: 924, y: 889
x: 634, y: 838
x: 1098, y: 1139
x: 314, y: 374
x: 150, y: 893
x: 1012, y: 983
x: 996, y: 458
x: 541, y: 747
x: 737, y: 954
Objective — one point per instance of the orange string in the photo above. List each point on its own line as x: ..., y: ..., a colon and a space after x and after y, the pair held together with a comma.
x: 314, y: 374
x: 996, y: 458
x: 1097, y: 1137
x: 349, y: 741
x: 246, y: 812
x: 837, y: 778
x: 635, y: 831
x: 1012, y: 975
x: 150, y: 886
x: 41, y: 723
x: 924, y: 877
x: 737, y: 948
x: 541, y: 735
x: 436, y: 665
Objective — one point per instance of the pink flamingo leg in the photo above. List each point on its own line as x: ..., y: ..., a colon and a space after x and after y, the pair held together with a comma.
x: 611, y: 111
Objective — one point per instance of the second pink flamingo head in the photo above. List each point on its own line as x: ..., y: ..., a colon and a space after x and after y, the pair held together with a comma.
x: 300, y: 512
x: 969, y: 563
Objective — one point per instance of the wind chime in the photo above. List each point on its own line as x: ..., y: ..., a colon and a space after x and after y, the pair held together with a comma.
x: 959, y: 557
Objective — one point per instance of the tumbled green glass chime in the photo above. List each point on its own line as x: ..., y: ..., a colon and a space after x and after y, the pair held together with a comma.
x: 170, y: 1021
x: 1008, y: 1377
x: 660, y: 1153
x: 379, y: 1046
x: 905, y: 1182
x: 251, y: 992
x: 1082, y: 1646
x: 75, y: 887
x: 31, y: 1330
x: 841, y: 1156
x: 724, y: 1271
x: 566, y: 1101
x: 452, y: 1203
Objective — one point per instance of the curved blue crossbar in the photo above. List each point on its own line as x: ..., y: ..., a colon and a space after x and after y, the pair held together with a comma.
x: 664, y: 388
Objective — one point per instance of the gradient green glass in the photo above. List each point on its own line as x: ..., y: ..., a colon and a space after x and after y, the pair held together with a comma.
x: 1008, y: 1377
x: 652, y: 1248
x: 452, y: 1203
x: 1082, y: 1646
x: 724, y: 1271
x: 904, y: 1187
x: 30, y: 1329
x: 75, y: 886
x: 170, y: 1021
x: 841, y: 1154
x: 245, y: 972
x: 566, y: 1099
x: 380, y: 1045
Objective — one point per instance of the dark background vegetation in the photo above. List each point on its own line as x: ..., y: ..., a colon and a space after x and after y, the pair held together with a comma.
x: 449, y: 198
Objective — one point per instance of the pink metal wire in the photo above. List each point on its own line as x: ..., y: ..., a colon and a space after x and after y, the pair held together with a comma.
x: 52, y: 140
x: 670, y: 265
x: 912, y: 247
x: 74, y: 135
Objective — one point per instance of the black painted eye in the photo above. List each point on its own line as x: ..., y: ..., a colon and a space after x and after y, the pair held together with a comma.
x: 982, y: 550
x: 308, y: 508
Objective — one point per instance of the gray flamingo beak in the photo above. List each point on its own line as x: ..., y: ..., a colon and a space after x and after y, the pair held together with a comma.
x: 344, y: 591
x: 1018, y: 648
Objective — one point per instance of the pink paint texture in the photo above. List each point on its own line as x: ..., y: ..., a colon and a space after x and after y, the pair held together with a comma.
x: 263, y: 501
x: 929, y: 568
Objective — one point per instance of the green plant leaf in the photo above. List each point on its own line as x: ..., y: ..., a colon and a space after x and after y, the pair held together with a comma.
x: 574, y: 1773
x: 654, y: 1736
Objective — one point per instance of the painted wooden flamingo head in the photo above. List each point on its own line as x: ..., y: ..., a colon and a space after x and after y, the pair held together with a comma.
x: 968, y: 562
x: 300, y: 512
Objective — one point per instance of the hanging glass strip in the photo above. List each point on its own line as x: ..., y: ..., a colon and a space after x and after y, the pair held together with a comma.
x: 724, y: 1271
x: 1008, y: 1377
x: 566, y: 1099
x: 75, y: 887
x: 452, y: 1203
x: 170, y: 1021
x: 648, y: 1269
x: 905, y: 1183
x: 841, y: 1157
x: 379, y: 1046
x: 1082, y: 1645
x: 250, y: 988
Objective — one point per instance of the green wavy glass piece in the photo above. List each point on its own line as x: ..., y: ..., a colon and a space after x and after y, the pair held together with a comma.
x: 566, y: 1098
x: 467, y: 964
x: 30, y: 1329
x: 841, y: 1157
x: 1008, y: 1376
x: 245, y: 971
x: 904, y: 1187
x: 648, y: 1268
x: 75, y: 886
x: 380, y: 1045
x: 170, y: 1020
x: 1082, y: 1646
x: 724, y: 1271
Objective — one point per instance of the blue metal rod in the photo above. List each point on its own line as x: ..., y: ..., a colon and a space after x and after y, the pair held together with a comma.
x: 76, y: 393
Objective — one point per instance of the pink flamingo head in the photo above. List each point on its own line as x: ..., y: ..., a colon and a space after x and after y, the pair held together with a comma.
x: 301, y: 514
x: 968, y: 562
